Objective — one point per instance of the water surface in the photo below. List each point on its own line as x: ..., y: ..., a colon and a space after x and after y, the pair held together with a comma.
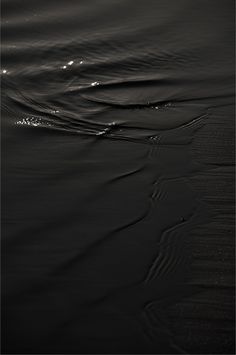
x: 117, y: 120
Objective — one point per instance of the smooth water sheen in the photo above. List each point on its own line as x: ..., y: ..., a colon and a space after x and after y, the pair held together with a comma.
x: 117, y: 121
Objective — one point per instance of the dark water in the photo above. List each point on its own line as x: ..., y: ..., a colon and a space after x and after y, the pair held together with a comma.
x: 117, y: 150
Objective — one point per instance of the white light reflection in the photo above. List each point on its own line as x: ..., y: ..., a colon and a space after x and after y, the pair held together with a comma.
x: 95, y: 83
